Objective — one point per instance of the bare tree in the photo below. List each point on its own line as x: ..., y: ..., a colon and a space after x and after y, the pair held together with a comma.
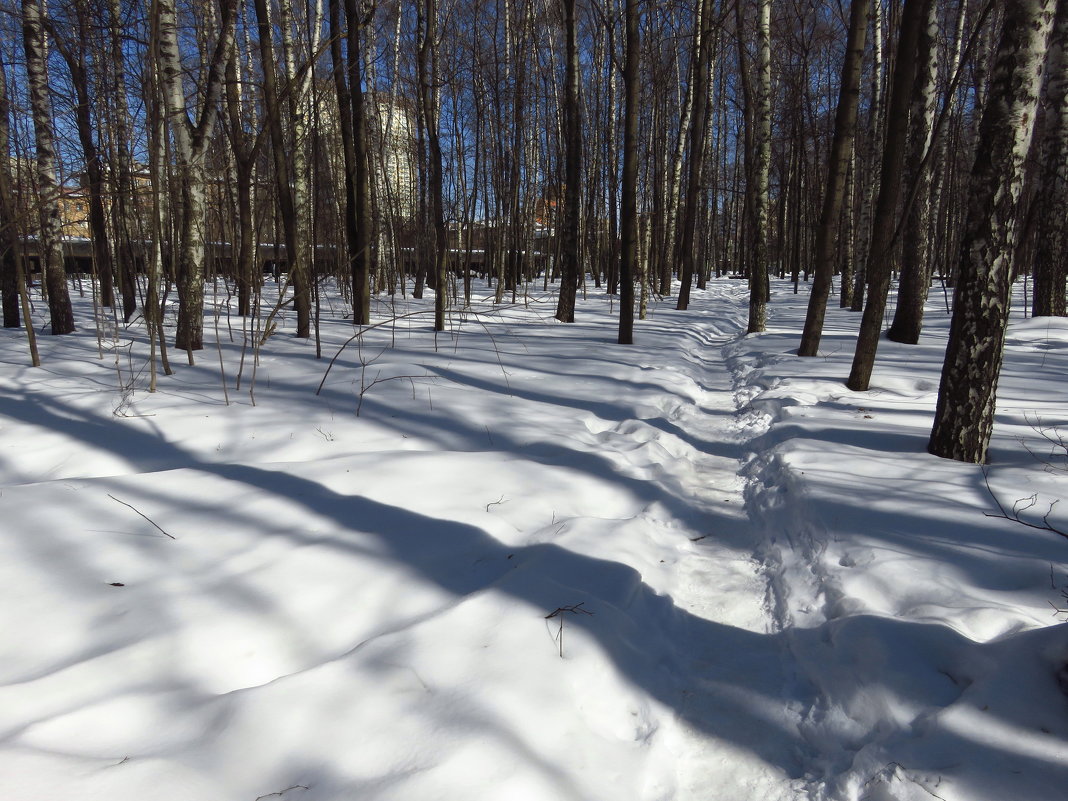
x: 9, y: 239
x: 915, y: 273
x: 191, y: 139
x: 628, y: 218
x: 845, y: 123
x: 289, y: 167
x: 1051, y: 246
x: 699, y: 76
x: 358, y: 14
x: 568, y: 223
x: 428, y: 79
x: 757, y: 189
x: 75, y: 55
x: 882, y: 240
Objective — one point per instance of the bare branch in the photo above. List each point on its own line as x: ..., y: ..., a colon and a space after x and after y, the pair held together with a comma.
x: 146, y: 517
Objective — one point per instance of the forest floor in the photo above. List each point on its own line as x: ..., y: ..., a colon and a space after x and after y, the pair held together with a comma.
x: 515, y: 560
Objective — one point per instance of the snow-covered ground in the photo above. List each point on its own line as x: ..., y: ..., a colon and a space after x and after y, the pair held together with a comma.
x: 535, y: 565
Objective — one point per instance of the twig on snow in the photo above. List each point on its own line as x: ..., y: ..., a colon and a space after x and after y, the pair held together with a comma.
x: 283, y: 792
x: 558, y: 613
x: 146, y: 517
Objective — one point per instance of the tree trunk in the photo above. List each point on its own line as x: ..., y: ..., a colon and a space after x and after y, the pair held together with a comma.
x: 964, y: 416
x: 83, y: 122
x: 628, y: 218
x: 880, y: 251
x: 50, y: 237
x: 1052, y: 198
x: 568, y: 219
x: 916, y: 239
x: 757, y: 185
x: 845, y: 123
x: 298, y: 84
x: 286, y: 172
x: 428, y: 82
x: 9, y: 238
x: 699, y: 79
x: 245, y: 148
x: 873, y: 140
x: 123, y: 185
x: 358, y: 206
x: 190, y: 146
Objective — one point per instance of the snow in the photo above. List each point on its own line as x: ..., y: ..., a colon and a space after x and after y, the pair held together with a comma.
x: 536, y: 565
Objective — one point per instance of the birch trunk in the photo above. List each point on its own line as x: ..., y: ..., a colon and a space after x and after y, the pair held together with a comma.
x: 50, y: 237
x: 674, y: 181
x: 757, y: 186
x: 286, y: 159
x: 916, y: 239
x: 871, y: 151
x: 190, y: 146
x: 299, y: 83
x: 964, y: 416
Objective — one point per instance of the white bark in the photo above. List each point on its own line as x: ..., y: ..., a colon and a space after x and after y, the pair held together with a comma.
x: 758, y: 175
x: 190, y: 145
x: 51, y: 225
x: 964, y: 417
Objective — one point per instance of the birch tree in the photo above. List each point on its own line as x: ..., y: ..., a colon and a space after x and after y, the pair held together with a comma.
x: 915, y: 273
x: 964, y: 416
x: 191, y: 133
x: 50, y: 232
x: 757, y: 198
x: 290, y: 161
x: 870, y: 155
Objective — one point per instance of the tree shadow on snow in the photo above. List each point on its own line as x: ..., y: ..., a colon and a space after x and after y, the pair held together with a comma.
x: 745, y: 679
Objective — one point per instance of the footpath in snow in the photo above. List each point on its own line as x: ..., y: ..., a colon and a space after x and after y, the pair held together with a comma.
x: 535, y: 565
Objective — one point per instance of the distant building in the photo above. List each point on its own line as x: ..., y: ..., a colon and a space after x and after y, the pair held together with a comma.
x: 74, y: 212
x: 393, y: 145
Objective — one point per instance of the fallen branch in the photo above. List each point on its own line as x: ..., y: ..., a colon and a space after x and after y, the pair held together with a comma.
x: 283, y: 792
x: 146, y: 517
